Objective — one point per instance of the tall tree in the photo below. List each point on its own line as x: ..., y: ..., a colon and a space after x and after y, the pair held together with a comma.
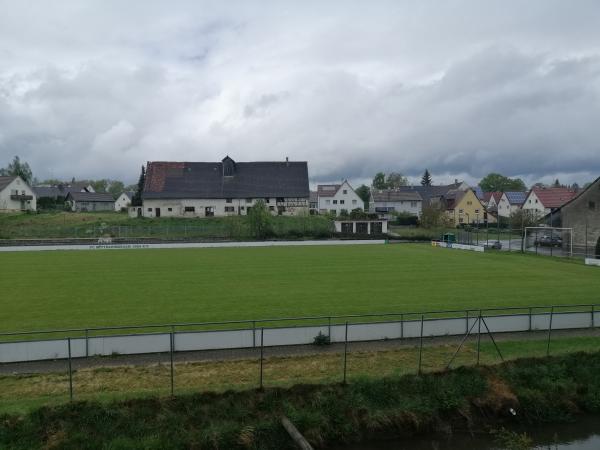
x: 557, y: 183
x: 364, y: 193
x: 496, y: 182
x: 379, y: 181
x: 115, y: 188
x: 426, y: 178
x: 18, y: 169
x: 137, y: 198
x: 260, y: 220
x: 395, y: 179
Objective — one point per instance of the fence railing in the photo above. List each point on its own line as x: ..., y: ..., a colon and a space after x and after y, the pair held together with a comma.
x: 77, y: 344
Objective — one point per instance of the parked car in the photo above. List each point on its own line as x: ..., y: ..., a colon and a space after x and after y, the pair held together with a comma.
x: 497, y: 245
x: 549, y: 241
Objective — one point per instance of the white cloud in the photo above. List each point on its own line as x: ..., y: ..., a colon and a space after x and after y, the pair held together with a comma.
x: 94, y: 89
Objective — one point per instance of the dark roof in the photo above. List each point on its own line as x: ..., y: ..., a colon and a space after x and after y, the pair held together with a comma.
x: 516, y: 198
x: 393, y: 195
x: 429, y: 192
x: 91, y: 197
x: 207, y: 180
x: 327, y: 190
x: 5, y: 181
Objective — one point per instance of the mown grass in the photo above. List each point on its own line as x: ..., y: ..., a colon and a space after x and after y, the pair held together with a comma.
x: 70, y: 289
x: 540, y: 390
x: 20, y: 393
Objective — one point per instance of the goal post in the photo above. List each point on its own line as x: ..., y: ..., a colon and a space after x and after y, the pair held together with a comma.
x: 551, y: 237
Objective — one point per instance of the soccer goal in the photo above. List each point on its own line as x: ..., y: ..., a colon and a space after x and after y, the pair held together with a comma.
x: 549, y: 239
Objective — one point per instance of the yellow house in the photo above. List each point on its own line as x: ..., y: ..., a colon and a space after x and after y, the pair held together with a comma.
x: 463, y: 207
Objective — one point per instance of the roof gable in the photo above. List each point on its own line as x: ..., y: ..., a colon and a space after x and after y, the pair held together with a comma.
x: 553, y: 197
x: 5, y: 181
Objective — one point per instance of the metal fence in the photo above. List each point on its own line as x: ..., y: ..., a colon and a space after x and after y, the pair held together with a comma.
x: 166, y: 341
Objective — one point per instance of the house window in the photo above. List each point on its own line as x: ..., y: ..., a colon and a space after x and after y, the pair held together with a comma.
x: 271, y: 208
x: 228, y: 200
x: 413, y: 204
x: 591, y: 205
x: 229, y: 209
x: 241, y: 208
x: 460, y: 220
x: 333, y: 211
x: 187, y: 209
x: 209, y: 211
x: 536, y: 200
x: 460, y: 211
x: 149, y: 209
x: 328, y: 202
x: 476, y: 211
x: 267, y: 200
x: 345, y: 191
x: 354, y: 202
x: 469, y: 203
x: 335, y: 202
x: 342, y: 202
x: 170, y: 209
x: 280, y: 199
x: 343, y: 212
x: 248, y: 200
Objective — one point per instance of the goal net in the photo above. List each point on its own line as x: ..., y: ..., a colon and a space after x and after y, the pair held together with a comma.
x: 549, y: 240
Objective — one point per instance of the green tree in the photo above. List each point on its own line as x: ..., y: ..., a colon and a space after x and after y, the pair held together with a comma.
x: 364, y: 192
x: 395, y: 179
x: 116, y: 188
x: 379, y: 181
x: 100, y: 185
x: 18, y: 169
x: 260, y: 220
x: 137, y: 198
x: 426, y: 178
x: 496, y: 182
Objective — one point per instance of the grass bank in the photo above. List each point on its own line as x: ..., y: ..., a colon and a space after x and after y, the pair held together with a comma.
x: 51, y: 225
x: 540, y: 390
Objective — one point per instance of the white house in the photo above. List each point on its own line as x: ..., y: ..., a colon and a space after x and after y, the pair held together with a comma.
x: 124, y: 201
x: 513, y: 201
x: 90, y: 201
x: 16, y: 195
x: 543, y: 200
x: 338, y: 199
x: 225, y: 188
x: 389, y: 201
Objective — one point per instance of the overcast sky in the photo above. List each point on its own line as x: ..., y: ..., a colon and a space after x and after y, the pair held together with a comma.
x: 95, y: 89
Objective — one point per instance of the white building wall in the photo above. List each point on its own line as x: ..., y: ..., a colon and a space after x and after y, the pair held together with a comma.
x: 534, y: 205
x: 413, y: 207
x: 504, y: 208
x: 220, y: 207
x: 122, y: 202
x: 345, y: 198
x: 17, y: 186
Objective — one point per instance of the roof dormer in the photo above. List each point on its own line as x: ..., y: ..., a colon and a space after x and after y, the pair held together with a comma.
x: 228, y: 166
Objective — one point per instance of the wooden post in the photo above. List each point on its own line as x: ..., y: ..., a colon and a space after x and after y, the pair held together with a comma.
x: 70, y: 370
x: 345, y: 352
x: 262, y: 333
x: 421, y: 345
x: 297, y: 437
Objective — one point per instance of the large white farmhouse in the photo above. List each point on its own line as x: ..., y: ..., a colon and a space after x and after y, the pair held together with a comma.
x: 16, y: 195
x: 225, y: 188
x: 338, y: 199
x: 388, y: 202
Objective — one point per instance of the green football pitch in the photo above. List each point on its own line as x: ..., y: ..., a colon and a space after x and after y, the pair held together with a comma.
x: 44, y: 290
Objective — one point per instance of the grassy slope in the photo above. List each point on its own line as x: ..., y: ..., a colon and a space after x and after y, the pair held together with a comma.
x: 541, y: 390
x: 42, y: 290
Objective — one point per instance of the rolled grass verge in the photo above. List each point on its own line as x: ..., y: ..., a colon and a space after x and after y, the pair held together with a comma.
x: 538, y: 389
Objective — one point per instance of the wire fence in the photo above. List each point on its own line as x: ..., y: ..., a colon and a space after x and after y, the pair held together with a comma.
x: 342, y: 350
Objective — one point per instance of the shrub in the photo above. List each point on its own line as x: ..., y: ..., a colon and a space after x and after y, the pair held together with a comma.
x: 321, y: 339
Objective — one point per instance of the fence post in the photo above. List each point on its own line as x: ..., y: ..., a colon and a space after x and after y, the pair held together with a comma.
x: 171, y: 341
x: 329, y: 328
x: 254, y: 334
x: 421, y: 345
x: 70, y: 370
x: 401, y: 326
x: 549, y: 331
x: 345, y: 352
x: 478, y: 336
x: 467, y: 324
x: 593, y: 319
x: 262, y: 332
x: 530, y: 311
x: 86, y: 343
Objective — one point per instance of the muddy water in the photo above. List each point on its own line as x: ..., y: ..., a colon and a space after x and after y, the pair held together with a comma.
x: 581, y: 435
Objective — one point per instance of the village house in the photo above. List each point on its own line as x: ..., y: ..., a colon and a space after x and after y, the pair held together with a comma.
x: 207, y: 189
x: 338, y: 199
x: 514, y: 201
x: 124, y: 201
x: 16, y: 195
x: 582, y: 214
x: 387, y: 203
x: 541, y: 201
x: 90, y: 201
x: 464, y: 207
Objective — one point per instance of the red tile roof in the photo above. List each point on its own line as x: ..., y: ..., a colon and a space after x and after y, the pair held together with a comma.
x: 553, y: 197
